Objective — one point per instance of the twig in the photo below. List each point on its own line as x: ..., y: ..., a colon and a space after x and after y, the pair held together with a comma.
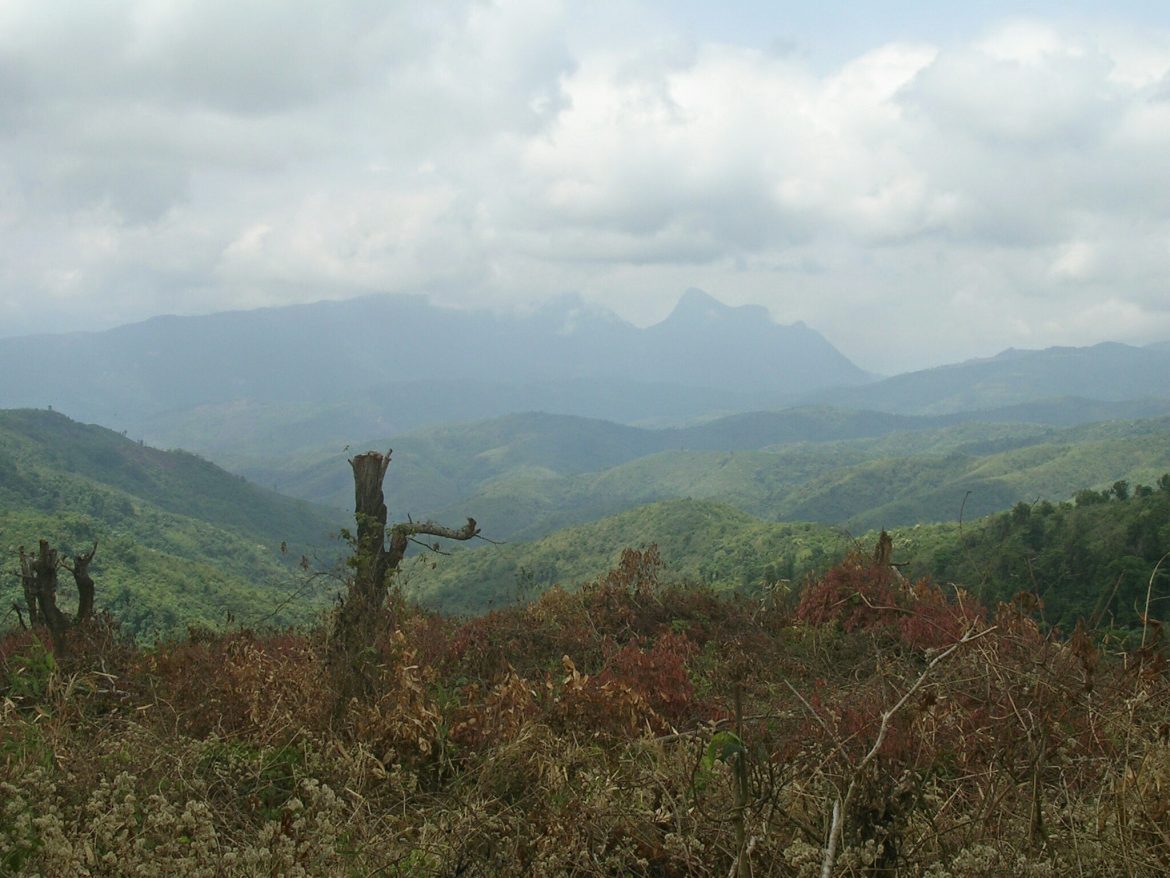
x: 1149, y: 592
x: 834, y: 835
x: 430, y: 547
x: 841, y: 806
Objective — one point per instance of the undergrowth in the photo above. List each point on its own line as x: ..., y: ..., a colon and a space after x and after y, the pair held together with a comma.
x: 627, y: 729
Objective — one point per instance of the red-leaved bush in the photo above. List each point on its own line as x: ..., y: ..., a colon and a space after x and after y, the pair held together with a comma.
x: 860, y: 595
x: 855, y: 595
x: 658, y: 674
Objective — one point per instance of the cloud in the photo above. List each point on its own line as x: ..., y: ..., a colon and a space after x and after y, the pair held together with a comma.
x: 921, y: 202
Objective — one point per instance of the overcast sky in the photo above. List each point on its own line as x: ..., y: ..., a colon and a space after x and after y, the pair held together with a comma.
x: 920, y: 181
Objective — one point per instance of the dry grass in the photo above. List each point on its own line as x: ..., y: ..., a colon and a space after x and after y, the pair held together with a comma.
x: 577, y: 737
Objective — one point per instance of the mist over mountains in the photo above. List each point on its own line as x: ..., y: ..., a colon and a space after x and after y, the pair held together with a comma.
x: 240, y: 386
x: 1108, y: 372
x: 388, y: 363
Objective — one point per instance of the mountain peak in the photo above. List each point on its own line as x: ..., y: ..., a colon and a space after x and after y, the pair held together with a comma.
x: 695, y: 305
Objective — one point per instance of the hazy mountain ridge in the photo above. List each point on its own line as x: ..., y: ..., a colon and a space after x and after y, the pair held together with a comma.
x: 1109, y: 372
x: 245, y: 387
x: 366, y: 352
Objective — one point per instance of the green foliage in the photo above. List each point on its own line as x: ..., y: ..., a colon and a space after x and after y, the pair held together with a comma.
x: 181, y: 542
x: 723, y: 747
x: 26, y: 667
x: 1091, y: 560
x: 526, y: 476
x: 701, y: 541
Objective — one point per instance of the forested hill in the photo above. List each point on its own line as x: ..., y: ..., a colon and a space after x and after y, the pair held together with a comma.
x: 525, y: 476
x: 175, y: 481
x: 1091, y: 558
x: 1095, y: 558
x: 699, y: 542
x: 180, y: 540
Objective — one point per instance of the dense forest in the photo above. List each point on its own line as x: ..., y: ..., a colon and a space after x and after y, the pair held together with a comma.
x: 1091, y: 559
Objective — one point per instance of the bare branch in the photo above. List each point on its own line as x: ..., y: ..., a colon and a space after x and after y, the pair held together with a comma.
x: 402, y: 534
x: 1149, y: 592
x: 841, y: 806
x: 429, y: 528
x: 430, y: 547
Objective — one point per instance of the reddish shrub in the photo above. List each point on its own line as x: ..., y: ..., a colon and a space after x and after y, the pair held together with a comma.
x: 658, y: 674
x: 857, y: 594
x: 934, y: 620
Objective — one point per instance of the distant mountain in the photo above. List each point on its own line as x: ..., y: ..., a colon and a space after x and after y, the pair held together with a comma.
x: 704, y: 343
x: 440, y: 465
x: 313, y: 374
x: 1108, y: 372
x: 180, y: 541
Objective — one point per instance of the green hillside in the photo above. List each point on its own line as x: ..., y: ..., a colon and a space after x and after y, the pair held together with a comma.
x: 183, y: 541
x: 528, y: 475
x: 439, y: 465
x: 1091, y: 558
x: 704, y: 541
x: 926, y: 488
x: 904, y: 478
x: 180, y: 540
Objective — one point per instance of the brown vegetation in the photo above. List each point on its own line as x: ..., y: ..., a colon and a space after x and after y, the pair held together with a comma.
x: 630, y: 728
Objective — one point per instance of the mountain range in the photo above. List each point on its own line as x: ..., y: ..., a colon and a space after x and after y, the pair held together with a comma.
x: 532, y: 424
x: 1108, y: 372
x: 306, y: 374
x: 252, y: 387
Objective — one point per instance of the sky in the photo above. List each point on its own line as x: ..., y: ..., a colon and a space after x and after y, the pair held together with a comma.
x: 922, y: 182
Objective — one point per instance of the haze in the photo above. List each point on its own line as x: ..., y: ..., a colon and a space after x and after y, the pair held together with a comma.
x: 919, y: 183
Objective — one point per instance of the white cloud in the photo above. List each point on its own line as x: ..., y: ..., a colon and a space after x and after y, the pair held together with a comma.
x: 921, y: 202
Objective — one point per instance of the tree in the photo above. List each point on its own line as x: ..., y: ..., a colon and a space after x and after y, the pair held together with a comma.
x: 363, y: 614
x: 38, y: 576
